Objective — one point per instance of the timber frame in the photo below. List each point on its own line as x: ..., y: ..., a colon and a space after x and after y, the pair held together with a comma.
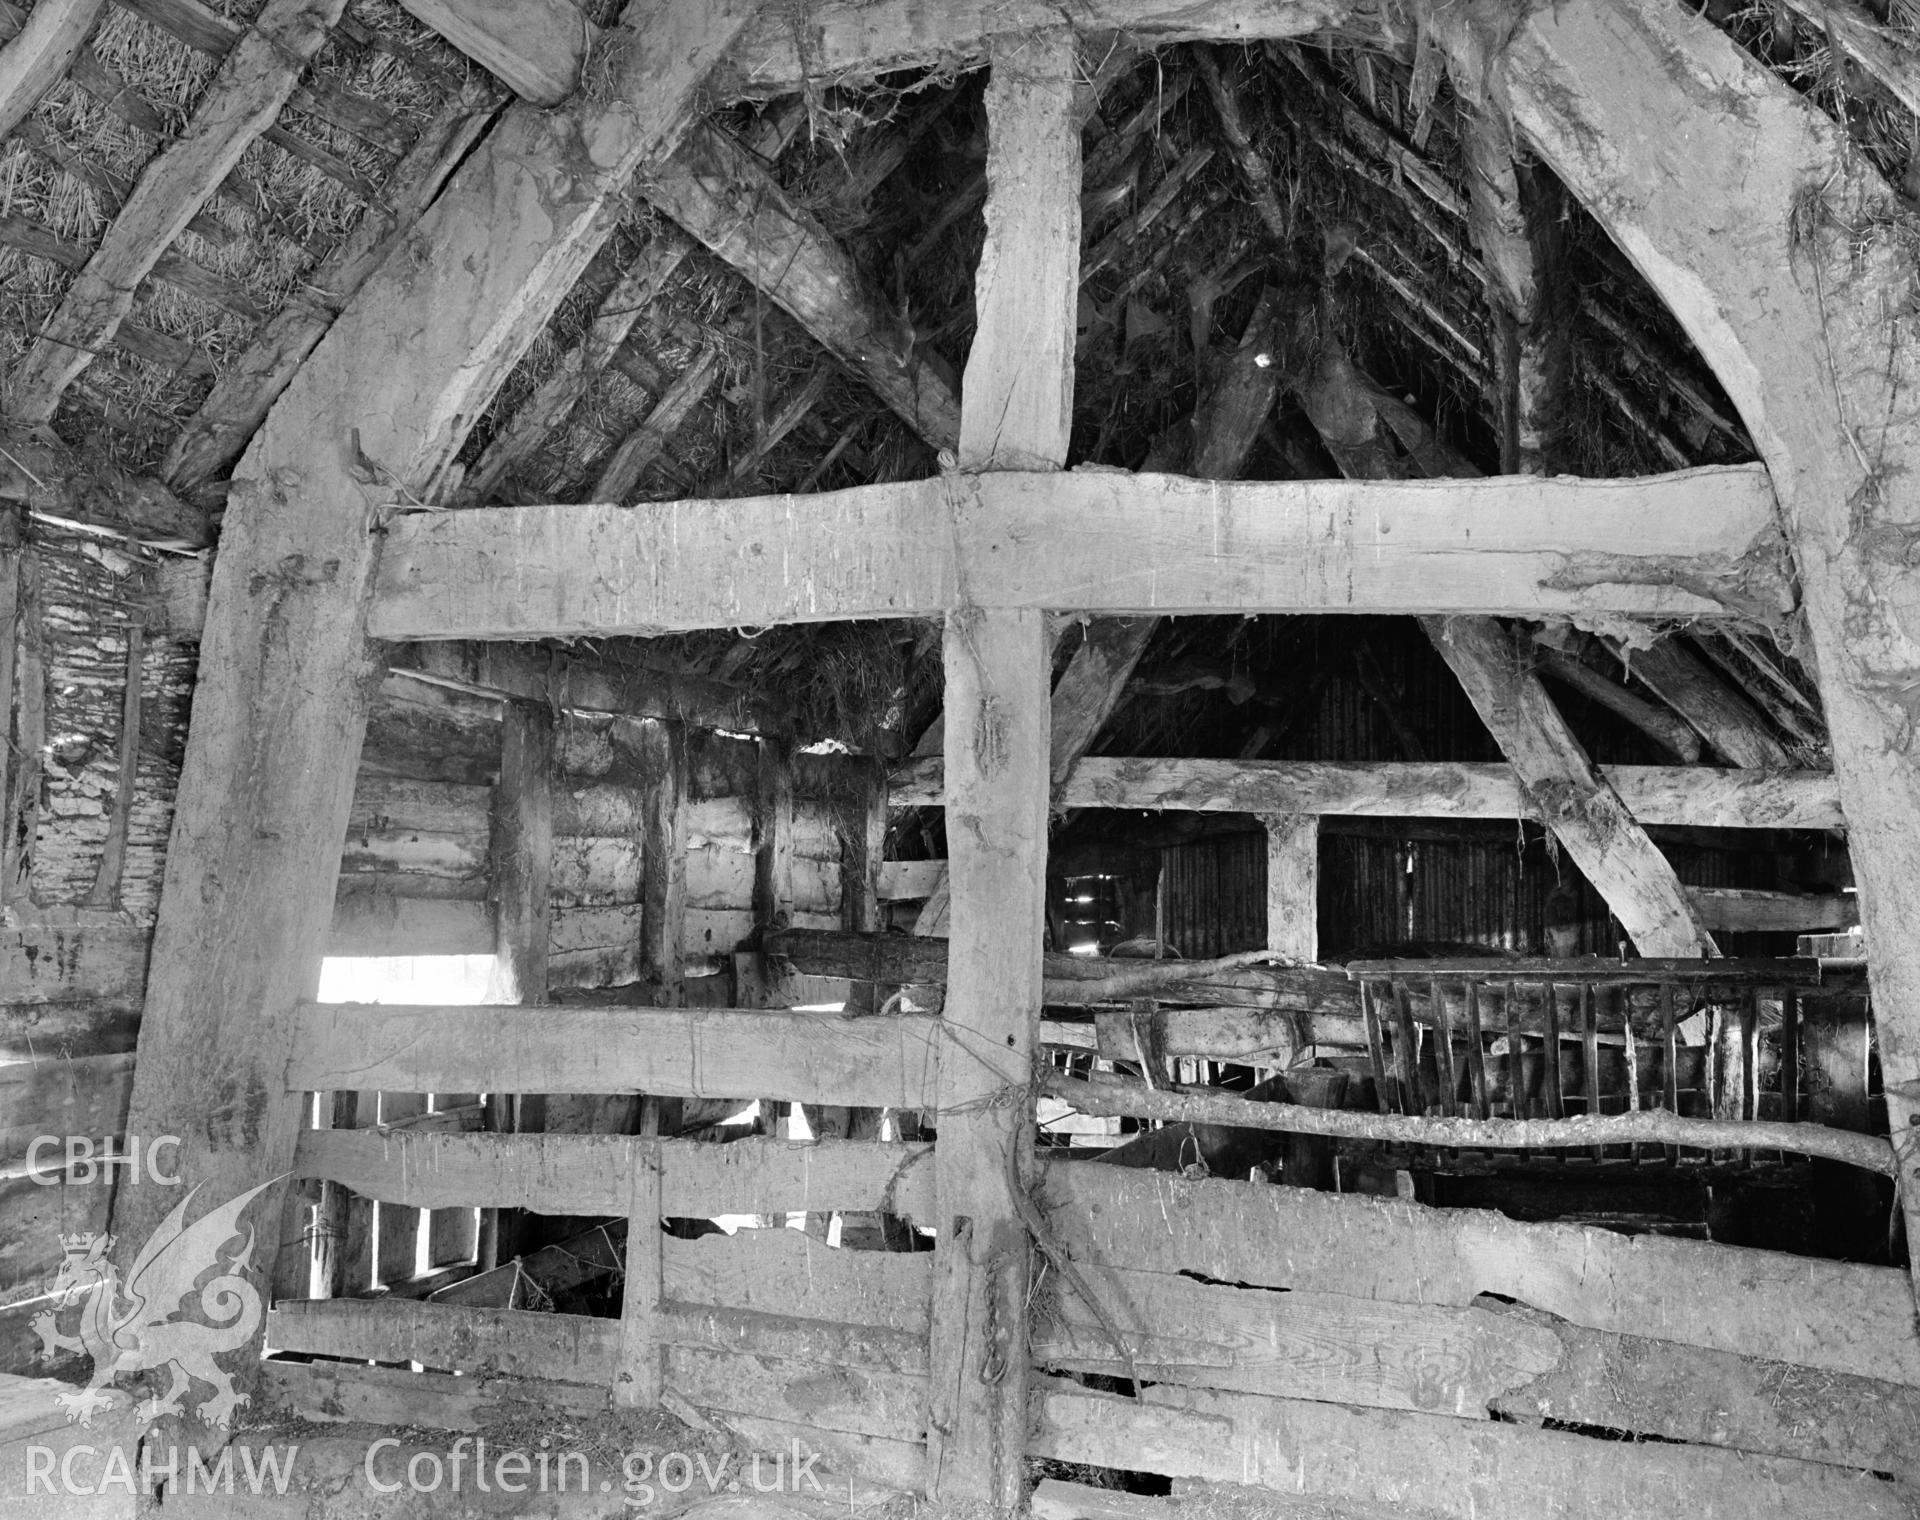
x: 1767, y: 240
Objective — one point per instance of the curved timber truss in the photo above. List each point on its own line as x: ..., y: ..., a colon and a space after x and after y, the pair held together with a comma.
x: 1785, y: 257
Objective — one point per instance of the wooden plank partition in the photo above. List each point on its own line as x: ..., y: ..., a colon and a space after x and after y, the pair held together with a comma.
x: 671, y: 1052
x: 586, y: 1174
x: 1834, y: 1316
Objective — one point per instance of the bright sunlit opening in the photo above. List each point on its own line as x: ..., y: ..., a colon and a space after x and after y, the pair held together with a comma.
x: 434, y: 980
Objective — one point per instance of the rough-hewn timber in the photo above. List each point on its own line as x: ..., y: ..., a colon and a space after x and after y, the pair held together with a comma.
x: 255, y: 80
x: 679, y: 1052
x: 1701, y: 543
x: 1762, y: 184
x: 1679, y: 795
x: 280, y: 710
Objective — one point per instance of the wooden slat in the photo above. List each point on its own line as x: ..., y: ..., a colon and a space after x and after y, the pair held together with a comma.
x: 1833, y: 1316
x: 254, y: 81
x: 1098, y: 541
x: 355, y: 1393
x: 832, y: 1343
x: 583, y: 1174
x: 1743, y: 910
x: 1300, y: 1344
x: 564, y: 1348
x: 1473, y: 1361
x: 867, y: 1416
x: 673, y: 1052
x: 1715, y: 1398
x: 1700, y: 796
x: 1463, y: 1472
x: 856, y: 1401
x: 786, y: 1272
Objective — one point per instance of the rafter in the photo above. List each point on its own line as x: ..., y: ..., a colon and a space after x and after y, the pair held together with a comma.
x: 1697, y: 544
x: 253, y: 83
x: 546, y: 410
x: 622, y: 469
x: 38, y: 58
x: 727, y: 199
x: 1725, y: 719
x: 1518, y: 244
x: 254, y: 380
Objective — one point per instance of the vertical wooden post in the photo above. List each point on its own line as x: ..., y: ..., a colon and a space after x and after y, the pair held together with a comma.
x: 1293, y: 885
x: 863, y: 843
x: 346, y: 1219
x: 522, y: 892
x: 105, y: 892
x: 1016, y: 413
x: 399, y: 1232
x: 522, y: 889
x: 663, y: 860
x: 637, y: 1385
x: 772, y: 837
x: 997, y: 787
x: 863, y: 847
x: 279, y: 713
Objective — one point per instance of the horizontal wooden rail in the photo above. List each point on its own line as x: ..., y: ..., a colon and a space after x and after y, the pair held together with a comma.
x: 772, y: 1368
x: 1701, y: 543
x: 767, y: 1291
x: 1475, y: 1361
x: 567, y: 1348
x: 1309, y: 1449
x: 1641, y: 973
x: 1829, y: 1315
x: 1869, y: 1152
x: 589, y: 1174
x: 669, y: 1052
x: 1667, y: 795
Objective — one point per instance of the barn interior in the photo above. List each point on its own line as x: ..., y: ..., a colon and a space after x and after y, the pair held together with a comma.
x: 1111, y: 761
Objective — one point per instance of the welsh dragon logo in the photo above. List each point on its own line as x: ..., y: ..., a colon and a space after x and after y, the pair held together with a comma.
x: 132, y: 1326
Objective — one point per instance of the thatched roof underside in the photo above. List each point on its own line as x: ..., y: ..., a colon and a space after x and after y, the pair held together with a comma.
x: 714, y: 390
